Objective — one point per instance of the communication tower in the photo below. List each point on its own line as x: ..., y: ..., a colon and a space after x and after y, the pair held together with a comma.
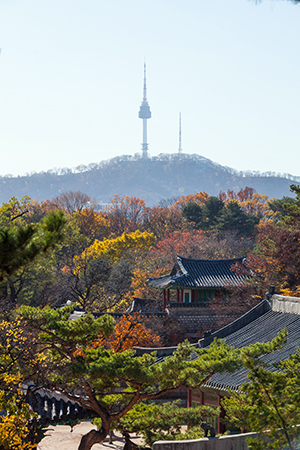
x: 180, y: 148
x: 145, y: 114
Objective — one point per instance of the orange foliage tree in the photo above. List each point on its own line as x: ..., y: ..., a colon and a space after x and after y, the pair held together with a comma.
x: 93, y: 224
x: 130, y: 331
x: 250, y: 201
x: 139, y: 288
x: 199, y: 198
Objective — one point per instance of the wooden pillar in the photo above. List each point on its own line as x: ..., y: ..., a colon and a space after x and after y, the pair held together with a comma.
x: 201, y: 398
x: 189, y: 398
x: 221, y: 425
x: 164, y: 301
x: 193, y: 292
x: 168, y: 296
x: 181, y: 295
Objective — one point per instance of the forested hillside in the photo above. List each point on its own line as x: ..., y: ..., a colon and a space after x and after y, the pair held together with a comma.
x: 103, y: 258
x: 152, y: 179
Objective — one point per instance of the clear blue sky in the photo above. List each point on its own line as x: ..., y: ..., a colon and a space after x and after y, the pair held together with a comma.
x: 71, y: 79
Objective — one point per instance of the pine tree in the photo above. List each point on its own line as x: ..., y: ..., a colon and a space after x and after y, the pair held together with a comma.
x: 110, y: 383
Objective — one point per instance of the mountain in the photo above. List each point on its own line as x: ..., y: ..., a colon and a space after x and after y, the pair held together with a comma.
x: 152, y: 179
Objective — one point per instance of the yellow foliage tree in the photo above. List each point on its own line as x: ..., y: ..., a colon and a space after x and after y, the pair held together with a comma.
x: 257, y: 204
x: 14, y: 420
x: 16, y: 414
x: 93, y: 224
x: 130, y: 245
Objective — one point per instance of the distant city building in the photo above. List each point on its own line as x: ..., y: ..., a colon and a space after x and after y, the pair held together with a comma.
x: 145, y: 114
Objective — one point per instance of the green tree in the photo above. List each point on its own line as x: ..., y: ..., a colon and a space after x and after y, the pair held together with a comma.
x: 205, y: 216
x: 163, y: 421
x: 109, y: 384
x: 269, y: 402
x: 19, y: 245
x: 233, y: 218
x: 193, y: 213
x: 211, y: 210
x: 293, y: 208
x: 277, y: 206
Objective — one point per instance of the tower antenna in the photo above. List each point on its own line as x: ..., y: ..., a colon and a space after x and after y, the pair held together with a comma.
x: 145, y: 114
x: 180, y: 148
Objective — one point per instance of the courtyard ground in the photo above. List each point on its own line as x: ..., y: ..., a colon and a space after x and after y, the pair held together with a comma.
x: 61, y: 438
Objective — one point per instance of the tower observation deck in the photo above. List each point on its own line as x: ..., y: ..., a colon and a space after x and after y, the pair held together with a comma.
x: 145, y: 113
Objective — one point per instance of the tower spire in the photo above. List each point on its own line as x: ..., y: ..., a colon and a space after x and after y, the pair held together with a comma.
x: 180, y: 148
x: 145, y: 114
x: 145, y: 87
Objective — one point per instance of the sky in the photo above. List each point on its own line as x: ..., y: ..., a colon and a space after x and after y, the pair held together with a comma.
x: 71, y: 81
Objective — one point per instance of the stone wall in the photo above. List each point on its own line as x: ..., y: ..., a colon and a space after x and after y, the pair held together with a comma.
x: 194, y: 319
x: 234, y: 442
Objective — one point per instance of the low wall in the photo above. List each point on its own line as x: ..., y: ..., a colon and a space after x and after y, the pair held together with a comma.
x: 234, y: 442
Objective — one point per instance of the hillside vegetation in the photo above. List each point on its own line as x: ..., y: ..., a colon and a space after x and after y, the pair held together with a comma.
x: 152, y: 179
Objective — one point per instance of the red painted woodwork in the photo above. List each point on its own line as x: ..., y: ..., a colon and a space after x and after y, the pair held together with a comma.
x: 164, y: 301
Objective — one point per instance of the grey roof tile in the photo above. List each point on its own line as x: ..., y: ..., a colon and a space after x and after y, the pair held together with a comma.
x: 262, y: 329
x: 201, y: 273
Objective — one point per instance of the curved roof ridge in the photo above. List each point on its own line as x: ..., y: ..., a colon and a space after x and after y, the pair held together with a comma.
x: 182, y: 258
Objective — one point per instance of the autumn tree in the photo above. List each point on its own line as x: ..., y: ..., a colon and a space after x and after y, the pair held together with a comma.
x: 161, y: 220
x: 249, y: 200
x: 275, y: 258
x: 93, y: 224
x: 71, y: 201
x: 126, y: 214
x: 199, y: 198
x: 17, y: 362
x: 130, y: 331
x: 187, y: 243
x: 100, y: 276
x: 242, y: 195
x: 131, y: 244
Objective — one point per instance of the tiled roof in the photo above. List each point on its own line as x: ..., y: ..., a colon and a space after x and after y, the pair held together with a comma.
x: 200, y: 273
x: 262, y: 329
x: 261, y: 324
